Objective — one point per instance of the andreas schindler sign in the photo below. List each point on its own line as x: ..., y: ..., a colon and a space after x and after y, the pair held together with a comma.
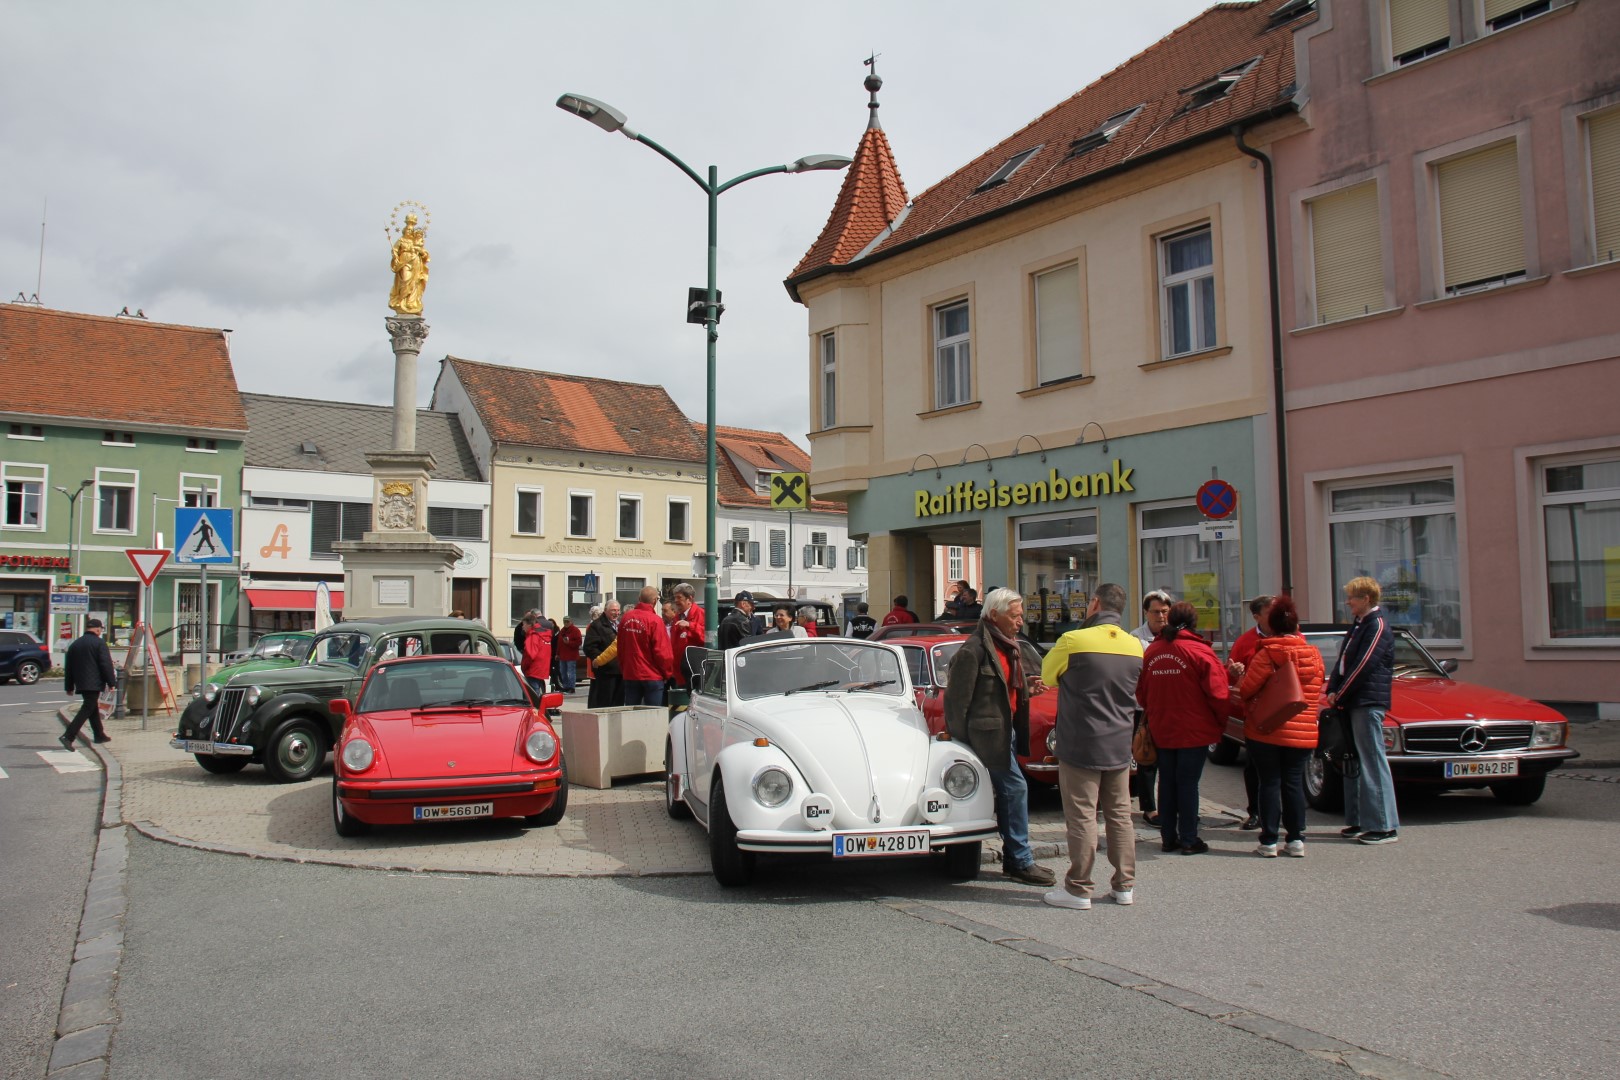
x: 967, y: 495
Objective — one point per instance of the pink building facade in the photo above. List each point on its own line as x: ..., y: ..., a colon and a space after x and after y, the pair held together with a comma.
x: 1449, y: 269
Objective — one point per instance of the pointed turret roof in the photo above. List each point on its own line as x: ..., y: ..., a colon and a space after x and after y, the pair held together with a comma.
x: 872, y: 198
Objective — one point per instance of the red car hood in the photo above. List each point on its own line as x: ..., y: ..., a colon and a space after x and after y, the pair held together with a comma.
x: 420, y: 744
x: 1416, y: 700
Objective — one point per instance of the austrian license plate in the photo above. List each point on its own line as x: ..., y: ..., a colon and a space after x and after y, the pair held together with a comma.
x: 199, y: 746
x: 854, y: 845
x: 461, y: 810
x: 1456, y: 770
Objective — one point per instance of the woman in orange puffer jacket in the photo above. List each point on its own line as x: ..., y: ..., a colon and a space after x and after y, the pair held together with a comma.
x: 1280, y: 756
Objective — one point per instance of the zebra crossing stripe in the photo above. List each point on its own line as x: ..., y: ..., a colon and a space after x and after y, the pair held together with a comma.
x: 68, y: 761
x: 4, y: 775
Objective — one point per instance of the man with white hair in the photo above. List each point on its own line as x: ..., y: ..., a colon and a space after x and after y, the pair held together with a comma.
x: 987, y: 708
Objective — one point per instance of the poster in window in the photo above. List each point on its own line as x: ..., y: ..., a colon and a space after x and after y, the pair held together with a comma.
x: 1611, y: 583
x: 1199, y: 591
x: 1402, y: 592
x: 1033, y: 611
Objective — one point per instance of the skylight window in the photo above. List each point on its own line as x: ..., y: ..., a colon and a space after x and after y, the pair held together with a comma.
x: 1103, y: 132
x: 1008, y: 168
x: 1292, y: 10
x: 1218, y: 87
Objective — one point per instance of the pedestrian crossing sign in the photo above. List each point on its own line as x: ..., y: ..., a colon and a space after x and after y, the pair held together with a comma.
x: 205, y: 535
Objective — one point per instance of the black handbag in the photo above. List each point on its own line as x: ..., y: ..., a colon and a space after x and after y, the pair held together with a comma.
x: 1336, y: 742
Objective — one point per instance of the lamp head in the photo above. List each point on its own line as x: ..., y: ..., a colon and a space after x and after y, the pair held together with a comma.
x: 820, y: 162
x: 599, y: 113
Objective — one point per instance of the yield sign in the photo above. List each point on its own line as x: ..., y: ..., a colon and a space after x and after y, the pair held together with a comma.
x: 148, y: 561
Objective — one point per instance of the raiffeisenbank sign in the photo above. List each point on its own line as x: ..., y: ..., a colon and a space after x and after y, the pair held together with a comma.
x: 968, y: 495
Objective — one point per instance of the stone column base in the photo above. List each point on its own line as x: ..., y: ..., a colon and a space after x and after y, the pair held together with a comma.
x: 397, y: 577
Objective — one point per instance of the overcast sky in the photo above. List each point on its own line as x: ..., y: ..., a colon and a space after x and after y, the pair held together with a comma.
x: 234, y: 165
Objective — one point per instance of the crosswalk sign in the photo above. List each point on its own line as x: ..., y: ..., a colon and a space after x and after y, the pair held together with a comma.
x: 790, y: 491
x: 204, y: 535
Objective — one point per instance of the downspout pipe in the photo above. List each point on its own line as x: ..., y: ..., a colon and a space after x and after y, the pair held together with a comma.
x: 1277, y: 403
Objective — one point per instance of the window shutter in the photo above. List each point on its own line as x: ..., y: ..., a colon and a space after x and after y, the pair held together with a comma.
x: 849, y: 557
x: 808, y: 556
x: 1481, y: 230
x: 1349, y: 254
x: 1495, y: 9
x: 1057, y: 324
x: 753, y: 553
x: 1416, y: 23
x: 725, y: 555
x: 779, y: 553
x: 323, y: 527
x: 1603, y: 139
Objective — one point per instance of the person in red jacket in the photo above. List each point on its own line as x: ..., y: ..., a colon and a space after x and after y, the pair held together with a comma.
x: 1183, y: 691
x: 1280, y: 756
x: 900, y: 613
x: 536, y: 651
x: 1236, y: 660
x: 569, y: 640
x: 644, y: 652
x: 686, y: 630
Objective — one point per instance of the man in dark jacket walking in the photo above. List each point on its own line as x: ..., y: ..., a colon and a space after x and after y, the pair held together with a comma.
x: 90, y: 670
x: 739, y: 624
x: 987, y: 709
x: 1360, y: 684
x: 1095, y: 670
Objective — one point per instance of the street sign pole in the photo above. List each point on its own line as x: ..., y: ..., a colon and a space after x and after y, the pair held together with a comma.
x: 1220, y: 588
x: 790, y: 556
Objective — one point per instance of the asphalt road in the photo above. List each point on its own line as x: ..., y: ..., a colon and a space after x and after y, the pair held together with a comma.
x: 48, y: 822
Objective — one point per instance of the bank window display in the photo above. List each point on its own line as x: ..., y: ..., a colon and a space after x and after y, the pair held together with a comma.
x: 115, y: 500
x: 25, y: 496
x: 1057, y: 325
x: 1403, y: 534
x: 953, y: 361
x: 1580, y: 515
x: 581, y: 506
x: 1057, y: 571
x: 525, y: 592
x: 1187, y: 277
x: 1176, y: 558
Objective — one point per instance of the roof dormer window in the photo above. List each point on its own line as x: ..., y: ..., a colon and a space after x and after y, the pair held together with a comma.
x: 1010, y: 166
x: 1103, y: 132
x: 1206, y: 93
x: 1290, y: 11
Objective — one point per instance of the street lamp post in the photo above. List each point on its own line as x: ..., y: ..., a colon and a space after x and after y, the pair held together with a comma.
x: 610, y: 119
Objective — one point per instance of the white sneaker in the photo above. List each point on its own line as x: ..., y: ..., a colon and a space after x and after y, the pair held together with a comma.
x: 1061, y: 897
x: 1296, y: 849
x: 1266, y: 851
x: 1124, y: 897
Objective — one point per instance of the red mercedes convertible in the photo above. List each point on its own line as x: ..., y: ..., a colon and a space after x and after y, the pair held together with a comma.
x: 446, y: 738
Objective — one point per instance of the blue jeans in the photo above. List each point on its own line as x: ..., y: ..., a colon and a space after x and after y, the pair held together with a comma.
x: 537, y: 685
x: 644, y: 691
x: 1369, y: 801
x: 567, y: 675
x: 1281, y: 796
x: 1012, y: 815
x: 1179, y: 773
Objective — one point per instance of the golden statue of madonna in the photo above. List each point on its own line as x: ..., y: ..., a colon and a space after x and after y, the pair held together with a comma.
x: 409, y: 262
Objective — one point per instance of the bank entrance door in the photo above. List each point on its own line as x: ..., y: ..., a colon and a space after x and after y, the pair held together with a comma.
x: 1057, y: 571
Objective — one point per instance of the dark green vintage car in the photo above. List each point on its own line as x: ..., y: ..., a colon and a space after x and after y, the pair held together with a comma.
x: 281, y: 718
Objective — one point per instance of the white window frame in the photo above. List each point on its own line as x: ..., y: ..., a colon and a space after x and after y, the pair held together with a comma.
x: 669, y: 521
x: 1533, y: 464
x: 859, y: 548
x: 22, y: 433
x: 823, y: 555
x: 954, y: 557
x: 211, y: 485
x: 590, y: 515
x: 1198, y: 340
x: 26, y: 473
x: 539, y: 493
x: 115, y: 440
x: 737, y: 550
x: 618, y: 518
x: 1042, y: 376
x: 203, y: 446
x: 828, y: 378
x: 104, y: 478
x: 955, y: 350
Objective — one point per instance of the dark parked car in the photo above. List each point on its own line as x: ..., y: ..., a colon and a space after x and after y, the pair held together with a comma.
x: 282, y: 718
x: 765, y: 608
x: 23, y: 657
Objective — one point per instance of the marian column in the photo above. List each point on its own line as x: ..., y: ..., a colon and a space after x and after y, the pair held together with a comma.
x: 398, y: 568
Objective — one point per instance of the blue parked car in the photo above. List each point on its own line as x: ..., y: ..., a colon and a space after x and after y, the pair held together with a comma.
x: 23, y: 657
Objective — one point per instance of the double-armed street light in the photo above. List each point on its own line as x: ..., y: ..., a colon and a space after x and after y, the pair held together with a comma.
x: 610, y: 119
x: 73, y: 506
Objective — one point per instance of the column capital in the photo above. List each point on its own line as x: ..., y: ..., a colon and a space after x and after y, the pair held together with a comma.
x: 407, y: 332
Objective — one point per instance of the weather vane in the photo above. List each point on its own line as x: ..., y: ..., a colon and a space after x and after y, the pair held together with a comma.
x: 408, y: 257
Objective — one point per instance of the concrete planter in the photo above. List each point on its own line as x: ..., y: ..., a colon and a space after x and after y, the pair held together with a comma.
x: 603, y: 745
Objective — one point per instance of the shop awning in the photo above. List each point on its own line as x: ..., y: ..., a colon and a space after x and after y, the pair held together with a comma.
x: 289, y: 599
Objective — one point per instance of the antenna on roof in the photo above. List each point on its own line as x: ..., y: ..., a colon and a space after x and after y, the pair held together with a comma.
x: 39, y: 278
x: 873, y: 84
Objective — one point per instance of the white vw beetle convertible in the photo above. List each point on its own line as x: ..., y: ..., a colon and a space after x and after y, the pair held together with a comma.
x: 817, y: 746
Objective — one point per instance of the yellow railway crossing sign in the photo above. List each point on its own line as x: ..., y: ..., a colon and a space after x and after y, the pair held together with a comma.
x: 790, y: 491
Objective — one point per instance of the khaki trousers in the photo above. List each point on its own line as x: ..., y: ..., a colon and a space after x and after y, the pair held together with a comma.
x: 1083, y: 791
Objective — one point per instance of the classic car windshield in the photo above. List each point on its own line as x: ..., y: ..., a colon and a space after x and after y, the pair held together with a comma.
x: 1410, y: 659
x: 440, y: 683
x: 343, y: 647
x: 802, y: 665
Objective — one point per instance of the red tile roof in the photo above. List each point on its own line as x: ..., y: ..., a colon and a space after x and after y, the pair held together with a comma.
x: 1159, y: 79
x: 768, y: 450
x: 573, y: 412
x: 871, y: 197
x: 102, y: 370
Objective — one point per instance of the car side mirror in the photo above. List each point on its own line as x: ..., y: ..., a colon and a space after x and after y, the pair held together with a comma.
x: 549, y: 702
x: 1448, y: 665
x: 341, y: 708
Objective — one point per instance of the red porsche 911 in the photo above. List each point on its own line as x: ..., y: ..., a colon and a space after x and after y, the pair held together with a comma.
x: 446, y: 738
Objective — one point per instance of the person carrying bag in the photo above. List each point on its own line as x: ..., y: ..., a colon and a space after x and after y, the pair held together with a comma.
x: 1282, y: 688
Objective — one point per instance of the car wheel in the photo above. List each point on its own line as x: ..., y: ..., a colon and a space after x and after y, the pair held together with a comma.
x: 222, y: 764
x: 1225, y: 752
x: 1324, y: 785
x: 961, y: 862
x: 677, y: 807
x: 559, y: 806
x: 28, y: 672
x: 344, y: 822
x: 295, y: 752
x: 732, y: 865
x: 1520, y: 792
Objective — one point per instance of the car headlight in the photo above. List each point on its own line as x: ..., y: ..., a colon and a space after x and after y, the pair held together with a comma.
x: 961, y: 780
x: 772, y: 786
x: 541, y: 745
x: 1392, y: 739
x: 1051, y: 741
x: 1552, y: 734
x: 209, y: 692
x: 254, y: 694
x: 358, y: 755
